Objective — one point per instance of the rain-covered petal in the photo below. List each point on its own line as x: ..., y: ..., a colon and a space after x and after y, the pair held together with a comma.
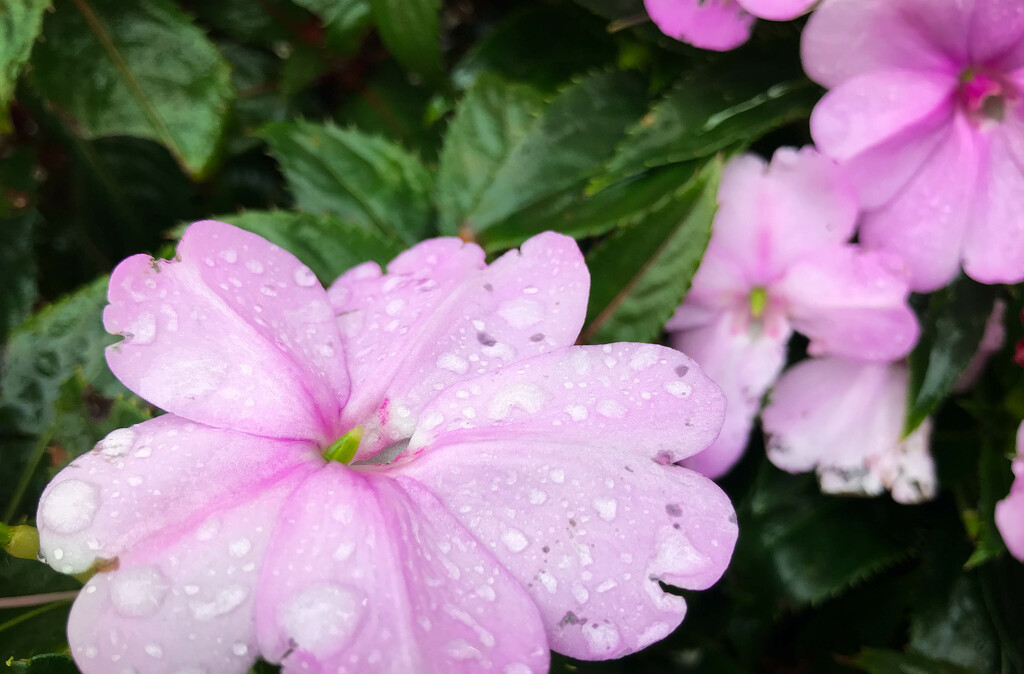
x: 844, y: 419
x: 1010, y: 511
x: 745, y: 361
x: 589, y: 396
x: 777, y: 10
x: 772, y: 214
x: 846, y: 38
x: 182, y: 600
x: 925, y: 223
x: 153, y: 476
x: 234, y: 333
x: 997, y: 34
x: 709, y: 24
x: 419, y: 338
x: 852, y: 304
x: 370, y: 574
x: 590, y: 531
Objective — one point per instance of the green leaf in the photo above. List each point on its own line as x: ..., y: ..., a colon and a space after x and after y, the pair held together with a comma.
x: 518, y: 165
x: 344, y: 21
x: 359, y: 178
x: 543, y: 46
x: 411, y: 30
x: 20, y: 24
x: 955, y: 628
x: 17, y: 269
x: 138, y: 69
x: 325, y: 244
x: 951, y: 329
x: 732, y: 100
x: 879, y: 661
x: 51, y: 663
x: 40, y: 628
x: 640, y: 274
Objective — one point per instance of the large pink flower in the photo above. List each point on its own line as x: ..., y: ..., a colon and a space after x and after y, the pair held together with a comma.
x: 844, y: 420
x: 719, y: 24
x: 925, y: 111
x: 1010, y: 511
x: 778, y: 261
x: 511, y: 492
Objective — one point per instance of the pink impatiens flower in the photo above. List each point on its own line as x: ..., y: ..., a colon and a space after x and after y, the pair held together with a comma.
x: 778, y: 262
x: 1010, y: 511
x: 444, y: 484
x: 925, y: 112
x: 844, y: 420
x: 719, y: 24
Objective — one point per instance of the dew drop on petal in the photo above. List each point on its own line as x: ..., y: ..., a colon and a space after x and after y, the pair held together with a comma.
x: 304, y: 277
x: 678, y: 388
x: 117, y: 443
x: 138, y: 591
x: 605, y: 508
x: 514, y: 540
x: 321, y: 619
x: 602, y: 638
x: 611, y: 409
x: 225, y: 601
x: 70, y: 506
x: 154, y: 650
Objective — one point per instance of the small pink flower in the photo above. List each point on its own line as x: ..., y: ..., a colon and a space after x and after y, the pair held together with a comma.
x: 778, y: 262
x: 492, y: 490
x: 844, y: 420
x: 1010, y: 511
x: 719, y: 24
x: 925, y: 112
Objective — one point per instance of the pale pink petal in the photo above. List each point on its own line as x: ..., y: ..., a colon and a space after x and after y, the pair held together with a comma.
x: 370, y: 574
x: 234, y: 333
x: 708, y: 24
x: 591, y: 396
x: 925, y: 223
x: 869, y: 109
x: 997, y: 34
x: 994, y: 243
x: 745, y: 361
x: 409, y: 339
x: 851, y: 303
x: 1010, y: 511
x: 156, y: 475
x: 777, y: 10
x: 908, y: 472
x: 182, y: 600
x: 589, y: 531
x: 846, y: 38
x: 771, y: 215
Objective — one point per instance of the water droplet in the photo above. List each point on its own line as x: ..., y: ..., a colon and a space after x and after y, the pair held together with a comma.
x: 321, y: 619
x: 644, y: 357
x: 138, y: 591
x: 117, y: 443
x: 521, y: 313
x: 514, y: 540
x: 549, y: 582
x: 557, y: 475
x: 154, y: 651
x: 229, y: 255
x: 240, y: 548
x: 602, y: 638
x: 576, y: 412
x: 70, y: 506
x: 605, y: 508
x: 537, y: 497
x: 611, y: 409
x: 528, y: 397
x: 254, y: 266
x: 239, y: 649
x: 452, y: 363
x: 678, y: 388
x: 304, y: 277
x: 225, y: 601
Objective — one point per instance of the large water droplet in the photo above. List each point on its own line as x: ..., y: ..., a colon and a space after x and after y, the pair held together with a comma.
x: 70, y: 506
x: 322, y: 619
x: 225, y: 601
x: 138, y: 591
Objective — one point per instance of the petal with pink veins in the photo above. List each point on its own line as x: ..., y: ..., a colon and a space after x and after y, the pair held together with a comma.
x: 745, y: 361
x: 234, y: 333
x: 155, y: 475
x: 590, y: 530
x: 720, y: 25
x: 528, y: 302
x: 370, y: 574
x: 851, y: 303
x: 182, y: 600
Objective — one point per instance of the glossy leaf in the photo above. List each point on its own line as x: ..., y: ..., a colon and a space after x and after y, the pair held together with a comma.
x: 17, y: 269
x: 366, y: 180
x: 526, y: 164
x: 951, y: 329
x: 640, y: 274
x: 139, y: 69
x: 344, y: 21
x: 411, y: 30
x: 20, y: 24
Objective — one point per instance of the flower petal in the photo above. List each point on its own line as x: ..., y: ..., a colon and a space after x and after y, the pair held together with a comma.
x: 370, y: 574
x: 925, y: 223
x: 590, y: 531
x: 852, y: 304
x: 590, y: 396
x: 745, y: 361
x: 777, y: 10
x: 997, y: 34
x: 234, y: 333
x: 994, y: 243
x: 156, y: 475
x: 846, y: 38
x: 182, y: 600
x: 425, y: 326
x: 771, y: 215
x: 1010, y: 511
x: 707, y: 24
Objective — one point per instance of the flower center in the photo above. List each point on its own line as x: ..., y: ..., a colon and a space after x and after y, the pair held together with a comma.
x: 343, y: 450
x: 984, y: 96
x: 758, y: 301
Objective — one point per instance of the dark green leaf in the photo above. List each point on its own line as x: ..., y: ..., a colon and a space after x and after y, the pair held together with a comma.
x: 324, y: 243
x: 344, y: 21
x: 410, y: 29
x: 878, y: 661
x: 26, y: 631
x: 955, y: 628
x: 732, y: 100
x: 17, y: 270
x: 523, y: 164
x: 640, y: 274
x: 951, y: 329
x: 140, y: 69
x: 362, y: 179
x: 20, y: 24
